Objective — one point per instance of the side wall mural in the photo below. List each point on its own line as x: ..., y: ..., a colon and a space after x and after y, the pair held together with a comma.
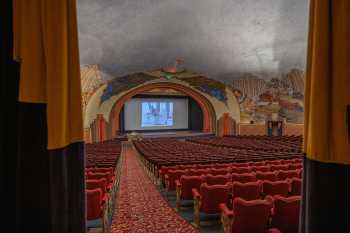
x: 259, y: 98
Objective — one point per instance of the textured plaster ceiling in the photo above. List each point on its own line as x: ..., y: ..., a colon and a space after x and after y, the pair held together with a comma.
x: 221, y: 38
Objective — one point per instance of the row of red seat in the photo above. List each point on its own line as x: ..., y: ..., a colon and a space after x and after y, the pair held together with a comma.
x: 230, y: 179
x: 282, y: 167
x: 173, y: 176
x: 213, y: 196
x: 103, y: 154
x: 276, y: 213
x: 264, y: 143
x: 251, y: 182
x: 102, y: 179
x: 160, y: 152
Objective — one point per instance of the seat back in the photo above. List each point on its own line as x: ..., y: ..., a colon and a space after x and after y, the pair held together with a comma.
x: 94, y: 184
x: 241, y: 164
x: 243, y: 177
x: 270, y: 176
x: 197, y: 172
x: 247, y: 191
x: 240, y: 170
x: 295, y: 166
x: 99, y: 175
x: 174, y: 175
x: 216, y: 179
x: 212, y: 196
x: 275, y: 188
x: 282, y: 175
x: 296, y: 186
x: 279, y: 167
x: 93, y: 200
x: 251, y: 216
x: 187, y: 184
x: 274, y: 162
x: 219, y: 171
x: 261, y: 163
x: 286, y: 213
x: 261, y: 168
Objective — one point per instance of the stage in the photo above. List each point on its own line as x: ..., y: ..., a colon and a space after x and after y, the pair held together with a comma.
x: 170, y: 134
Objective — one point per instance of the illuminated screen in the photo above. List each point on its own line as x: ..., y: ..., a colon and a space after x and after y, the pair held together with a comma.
x: 157, y: 114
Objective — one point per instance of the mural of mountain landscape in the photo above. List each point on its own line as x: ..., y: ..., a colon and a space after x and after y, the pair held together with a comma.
x: 260, y: 98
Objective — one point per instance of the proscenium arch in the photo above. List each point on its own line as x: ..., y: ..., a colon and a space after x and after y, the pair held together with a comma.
x: 209, y: 116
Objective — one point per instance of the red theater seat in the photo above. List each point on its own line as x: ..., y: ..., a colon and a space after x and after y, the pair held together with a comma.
x: 270, y: 176
x: 295, y: 166
x: 244, y: 177
x: 275, y: 188
x: 240, y: 170
x: 184, y: 188
x: 282, y: 175
x: 101, y: 184
x: 94, y: 202
x: 216, y: 179
x: 260, y: 168
x: 296, y: 186
x: 247, y: 216
x: 286, y: 213
x: 170, y: 178
x: 247, y: 191
x: 219, y: 171
x: 279, y: 167
x: 208, y: 199
x: 198, y: 172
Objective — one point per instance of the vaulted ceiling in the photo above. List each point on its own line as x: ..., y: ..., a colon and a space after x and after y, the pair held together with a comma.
x: 220, y: 38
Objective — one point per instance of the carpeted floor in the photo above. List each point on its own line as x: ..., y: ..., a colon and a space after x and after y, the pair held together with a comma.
x: 140, y: 206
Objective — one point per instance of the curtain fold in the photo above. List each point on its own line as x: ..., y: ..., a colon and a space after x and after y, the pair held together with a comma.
x: 9, y: 81
x: 326, y: 188
x: 48, y: 162
x: 46, y: 45
x: 328, y: 82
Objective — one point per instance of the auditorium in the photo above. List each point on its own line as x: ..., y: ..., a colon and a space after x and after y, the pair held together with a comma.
x: 164, y: 116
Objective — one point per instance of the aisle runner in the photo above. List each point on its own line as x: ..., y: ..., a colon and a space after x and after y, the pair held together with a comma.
x: 140, y: 207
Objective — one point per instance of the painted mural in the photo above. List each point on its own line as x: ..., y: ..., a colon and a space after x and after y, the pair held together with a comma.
x: 259, y: 98
x: 91, y: 80
x: 209, y: 86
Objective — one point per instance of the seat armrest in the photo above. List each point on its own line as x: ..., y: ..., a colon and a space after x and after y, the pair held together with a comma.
x: 225, y: 210
x: 177, y: 183
x: 196, y: 194
x: 178, y: 194
x: 274, y: 230
x: 226, y: 218
x: 167, y: 183
x: 196, y: 206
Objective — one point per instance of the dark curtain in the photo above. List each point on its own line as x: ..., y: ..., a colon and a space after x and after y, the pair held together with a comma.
x: 9, y: 80
x: 44, y: 190
x: 195, y: 115
x: 326, y: 197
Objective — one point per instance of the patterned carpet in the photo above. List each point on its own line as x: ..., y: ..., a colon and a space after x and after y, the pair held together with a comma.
x: 140, y: 207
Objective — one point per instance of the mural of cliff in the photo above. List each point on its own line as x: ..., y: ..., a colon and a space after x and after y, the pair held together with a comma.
x: 91, y: 80
x: 260, y: 98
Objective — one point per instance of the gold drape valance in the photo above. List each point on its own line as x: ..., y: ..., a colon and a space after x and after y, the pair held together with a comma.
x: 46, y: 44
x: 327, y: 91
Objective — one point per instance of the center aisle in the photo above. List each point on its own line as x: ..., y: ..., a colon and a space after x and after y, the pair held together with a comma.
x: 140, y: 207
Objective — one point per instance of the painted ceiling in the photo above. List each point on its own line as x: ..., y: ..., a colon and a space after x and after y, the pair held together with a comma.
x: 219, y: 38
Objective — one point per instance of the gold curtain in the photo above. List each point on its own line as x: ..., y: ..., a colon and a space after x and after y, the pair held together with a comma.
x: 46, y: 45
x: 327, y: 91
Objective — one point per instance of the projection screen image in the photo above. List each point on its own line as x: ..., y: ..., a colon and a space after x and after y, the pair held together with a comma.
x: 157, y: 114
